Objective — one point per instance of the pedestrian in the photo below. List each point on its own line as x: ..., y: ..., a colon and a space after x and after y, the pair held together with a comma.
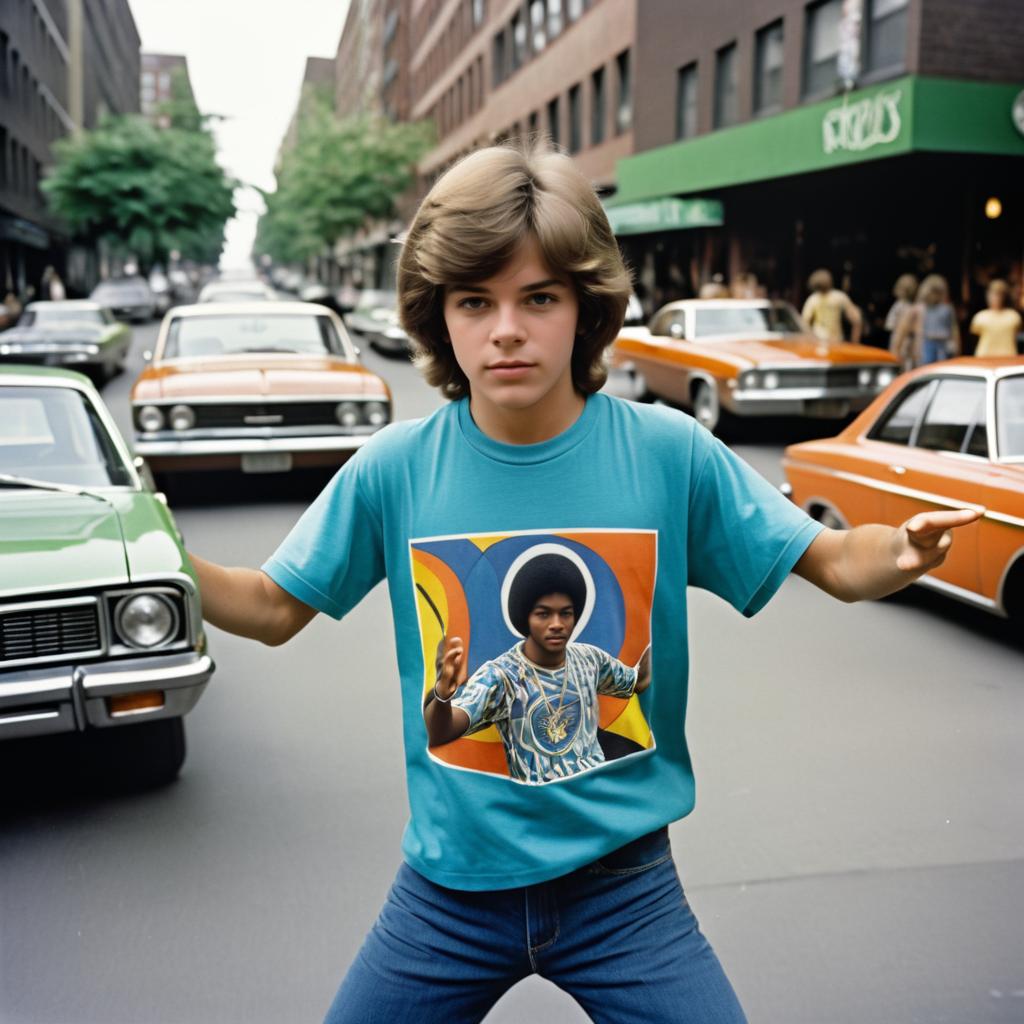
x: 53, y: 286
x: 903, y: 293
x: 826, y: 307
x: 998, y: 325
x: 511, y: 285
x: 928, y: 332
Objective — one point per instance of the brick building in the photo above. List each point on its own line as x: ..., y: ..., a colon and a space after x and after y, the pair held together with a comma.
x: 158, y: 73
x: 867, y: 136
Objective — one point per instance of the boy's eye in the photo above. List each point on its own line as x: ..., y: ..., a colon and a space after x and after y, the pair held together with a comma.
x: 468, y: 303
x: 546, y: 296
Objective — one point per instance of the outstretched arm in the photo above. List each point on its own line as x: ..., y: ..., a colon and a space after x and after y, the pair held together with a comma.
x: 249, y: 603
x: 873, y: 560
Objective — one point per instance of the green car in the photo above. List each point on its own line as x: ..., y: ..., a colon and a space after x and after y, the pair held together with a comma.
x: 77, y: 334
x: 100, y: 622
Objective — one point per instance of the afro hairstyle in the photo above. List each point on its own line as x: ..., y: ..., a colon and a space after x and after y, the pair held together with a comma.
x: 544, y: 574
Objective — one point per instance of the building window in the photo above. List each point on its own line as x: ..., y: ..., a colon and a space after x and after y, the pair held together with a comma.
x: 887, y: 34
x: 479, y: 12
x: 768, y: 69
x: 597, y: 107
x: 4, y: 59
x: 821, y: 48
x: 726, y: 105
x: 498, y: 57
x: 686, y: 102
x: 538, y: 25
x: 556, y: 135
x: 517, y: 27
x: 3, y: 158
x: 555, y: 21
x: 624, y: 102
x: 575, y: 120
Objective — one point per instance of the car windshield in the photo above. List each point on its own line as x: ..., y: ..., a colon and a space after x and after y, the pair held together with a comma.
x: 189, y: 337
x: 120, y: 291
x: 1010, y: 417
x: 60, y: 314
x: 778, y: 318
x: 55, y: 435
x: 235, y: 295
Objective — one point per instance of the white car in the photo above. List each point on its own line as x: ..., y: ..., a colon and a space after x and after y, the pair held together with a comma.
x: 237, y: 291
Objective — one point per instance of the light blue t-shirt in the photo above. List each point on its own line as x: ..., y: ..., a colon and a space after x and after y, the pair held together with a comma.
x: 621, y: 512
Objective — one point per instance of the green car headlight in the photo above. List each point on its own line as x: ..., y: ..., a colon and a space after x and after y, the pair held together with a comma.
x: 146, y: 620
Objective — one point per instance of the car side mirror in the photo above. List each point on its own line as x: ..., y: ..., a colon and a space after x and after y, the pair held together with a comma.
x: 677, y: 331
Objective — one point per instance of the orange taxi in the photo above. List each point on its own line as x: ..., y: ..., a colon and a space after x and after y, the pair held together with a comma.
x: 257, y: 386
x: 947, y: 435
x: 748, y: 357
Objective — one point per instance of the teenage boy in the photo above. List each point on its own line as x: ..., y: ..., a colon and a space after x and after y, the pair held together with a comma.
x: 542, y: 693
x: 511, y: 284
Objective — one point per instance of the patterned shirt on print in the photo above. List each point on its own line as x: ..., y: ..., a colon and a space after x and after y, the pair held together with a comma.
x: 547, y: 718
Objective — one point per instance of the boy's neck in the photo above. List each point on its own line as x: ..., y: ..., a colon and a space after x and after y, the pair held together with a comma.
x: 555, y: 413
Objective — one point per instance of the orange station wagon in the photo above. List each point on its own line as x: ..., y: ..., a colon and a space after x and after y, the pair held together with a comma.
x: 262, y: 387
x: 748, y: 357
x: 947, y: 435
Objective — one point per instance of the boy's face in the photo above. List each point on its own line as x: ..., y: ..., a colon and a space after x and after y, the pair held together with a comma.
x: 513, y: 334
x: 551, y: 622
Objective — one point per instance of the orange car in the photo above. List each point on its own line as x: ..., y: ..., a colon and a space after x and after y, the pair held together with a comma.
x: 748, y: 357
x: 947, y: 435
x: 258, y: 386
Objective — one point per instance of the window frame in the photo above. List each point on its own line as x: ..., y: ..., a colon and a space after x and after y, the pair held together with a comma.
x: 730, y: 53
x: 688, y: 73
x: 761, y: 108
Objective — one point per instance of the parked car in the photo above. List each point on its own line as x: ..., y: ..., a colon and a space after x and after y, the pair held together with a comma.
x: 128, y: 298
x: 947, y: 435
x: 100, y: 623
x: 237, y: 291
x: 748, y: 357
x: 261, y: 387
x: 375, y: 320
x: 76, y: 333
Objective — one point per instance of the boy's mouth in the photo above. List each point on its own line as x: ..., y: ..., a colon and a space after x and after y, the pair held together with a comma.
x: 510, y: 368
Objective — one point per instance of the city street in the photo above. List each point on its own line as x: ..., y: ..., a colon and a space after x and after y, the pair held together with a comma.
x: 857, y: 851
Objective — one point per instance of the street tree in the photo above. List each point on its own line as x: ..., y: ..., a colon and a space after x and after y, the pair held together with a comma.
x: 339, y: 175
x: 144, y: 190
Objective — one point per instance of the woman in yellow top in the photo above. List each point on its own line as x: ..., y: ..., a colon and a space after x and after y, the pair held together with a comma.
x: 998, y: 325
x: 825, y: 308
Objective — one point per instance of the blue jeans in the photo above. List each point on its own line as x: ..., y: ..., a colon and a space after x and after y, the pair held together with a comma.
x: 934, y: 350
x: 617, y: 935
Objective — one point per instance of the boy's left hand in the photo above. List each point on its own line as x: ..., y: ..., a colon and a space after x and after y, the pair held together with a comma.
x: 921, y: 543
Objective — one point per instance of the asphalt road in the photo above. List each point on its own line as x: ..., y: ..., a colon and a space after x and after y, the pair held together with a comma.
x: 857, y: 851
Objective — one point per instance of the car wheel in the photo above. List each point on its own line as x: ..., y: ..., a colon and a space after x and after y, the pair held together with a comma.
x: 142, y: 756
x: 705, y: 406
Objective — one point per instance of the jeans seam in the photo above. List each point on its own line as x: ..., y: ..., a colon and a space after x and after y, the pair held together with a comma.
x: 551, y: 941
x: 600, y: 869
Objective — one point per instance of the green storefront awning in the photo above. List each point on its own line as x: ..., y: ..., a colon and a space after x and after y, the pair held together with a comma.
x: 908, y: 114
x: 665, y: 214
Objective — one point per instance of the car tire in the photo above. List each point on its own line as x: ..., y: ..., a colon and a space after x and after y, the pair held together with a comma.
x: 704, y: 402
x: 142, y: 756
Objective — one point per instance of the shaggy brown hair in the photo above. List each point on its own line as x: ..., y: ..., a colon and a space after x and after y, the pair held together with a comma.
x: 470, y: 225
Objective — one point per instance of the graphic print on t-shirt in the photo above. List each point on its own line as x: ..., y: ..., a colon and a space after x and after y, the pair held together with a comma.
x: 556, y: 636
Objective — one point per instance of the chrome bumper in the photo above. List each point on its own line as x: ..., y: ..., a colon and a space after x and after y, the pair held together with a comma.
x: 825, y: 402
x: 70, y: 698
x: 247, y: 445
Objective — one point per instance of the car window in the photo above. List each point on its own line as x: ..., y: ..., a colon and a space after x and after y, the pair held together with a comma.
x: 778, y: 318
x: 66, y: 314
x: 195, y: 336
x: 955, y: 406
x: 55, y: 434
x: 899, y: 421
x: 1010, y: 417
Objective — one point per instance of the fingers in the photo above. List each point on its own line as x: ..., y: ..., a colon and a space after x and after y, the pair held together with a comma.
x: 929, y: 526
x: 919, y: 558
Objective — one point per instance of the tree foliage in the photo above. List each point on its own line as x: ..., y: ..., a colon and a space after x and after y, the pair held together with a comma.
x: 145, y: 190
x: 339, y: 174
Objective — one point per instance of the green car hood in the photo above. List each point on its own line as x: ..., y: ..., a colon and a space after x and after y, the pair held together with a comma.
x: 53, y: 541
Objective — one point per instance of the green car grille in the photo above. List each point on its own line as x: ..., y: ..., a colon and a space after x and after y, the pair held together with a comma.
x: 51, y: 632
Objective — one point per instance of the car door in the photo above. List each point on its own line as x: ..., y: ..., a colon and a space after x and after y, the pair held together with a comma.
x: 945, y: 465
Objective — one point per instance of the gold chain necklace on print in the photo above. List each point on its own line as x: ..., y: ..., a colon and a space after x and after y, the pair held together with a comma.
x: 555, y: 725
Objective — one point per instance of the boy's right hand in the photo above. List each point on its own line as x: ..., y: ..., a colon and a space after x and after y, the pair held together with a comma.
x: 451, y: 655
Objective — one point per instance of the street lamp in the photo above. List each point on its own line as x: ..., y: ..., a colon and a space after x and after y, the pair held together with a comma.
x: 993, y: 207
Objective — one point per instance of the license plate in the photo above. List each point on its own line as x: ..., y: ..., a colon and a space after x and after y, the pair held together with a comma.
x: 266, y: 462
x: 827, y: 408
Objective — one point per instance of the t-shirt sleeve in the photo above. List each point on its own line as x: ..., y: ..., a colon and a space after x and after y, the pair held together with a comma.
x: 744, y: 535
x: 482, y: 697
x: 614, y: 678
x: 978, y: 322
x: 334, y: 555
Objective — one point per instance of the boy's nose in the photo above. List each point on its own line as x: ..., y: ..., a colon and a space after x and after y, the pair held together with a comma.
x: 508, y: 328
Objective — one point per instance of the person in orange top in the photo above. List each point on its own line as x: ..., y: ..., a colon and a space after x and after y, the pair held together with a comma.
x: 998, y: 325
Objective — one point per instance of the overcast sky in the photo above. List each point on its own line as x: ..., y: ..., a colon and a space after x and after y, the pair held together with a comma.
x: 246, y: 61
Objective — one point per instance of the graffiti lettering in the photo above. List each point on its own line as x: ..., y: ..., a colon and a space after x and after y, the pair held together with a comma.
x: 862, y: 125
